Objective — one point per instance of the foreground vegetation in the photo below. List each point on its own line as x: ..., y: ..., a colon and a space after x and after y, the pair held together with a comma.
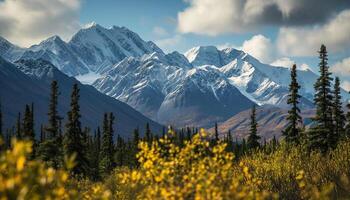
x: 198, y: 170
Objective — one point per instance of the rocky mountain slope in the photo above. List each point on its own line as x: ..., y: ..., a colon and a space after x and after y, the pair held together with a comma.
x: 29, y: 81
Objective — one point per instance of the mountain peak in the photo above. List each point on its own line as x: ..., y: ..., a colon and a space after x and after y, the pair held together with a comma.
x: 54, y: 38
x: 201, y: 55
x: 90, y: 25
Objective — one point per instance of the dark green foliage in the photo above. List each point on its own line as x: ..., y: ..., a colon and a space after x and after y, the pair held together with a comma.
x: 134, y: 147
x: 18, y: 127
x: 338, y: 113
x: 292, y: 132
x: 148, y: 134
x: 50, y: 148
x: 94, y: 149
x: 28, y: 126
x: 73, y: 142
x: 188, y: 133
x: 321, y: 135
x: 216, y: 132
x: 107, y: 148
x: 347, y: 127
x: 53, y: 126
x: 229, y: 141
x: 253, y: 139
x: 120, y: 156
x: 2, y: 135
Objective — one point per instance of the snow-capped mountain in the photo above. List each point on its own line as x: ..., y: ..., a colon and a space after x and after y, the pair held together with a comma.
x: 199, y: 91
x: 201, y: 87
x: 28, y: 81
x: 165, y: 90
x: 91, y: 49
x: 9, y: 50
x: 262, y: 83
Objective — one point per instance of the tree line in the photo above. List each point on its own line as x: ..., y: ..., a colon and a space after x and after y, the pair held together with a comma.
x: 329, y: 125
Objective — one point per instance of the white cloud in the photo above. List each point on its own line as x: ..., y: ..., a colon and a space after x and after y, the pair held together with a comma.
x: 233, y: 16
x: 288, y: 63
x: 169, y: 43
x: 306, y: 41
x: 341, y: 68
x: 228, y: 45
x: 159, y: 31
x: 25, y: 22
x: 304, y: 67
x: 283, y: 62
x: 345, y: 85
x: 260, y: 47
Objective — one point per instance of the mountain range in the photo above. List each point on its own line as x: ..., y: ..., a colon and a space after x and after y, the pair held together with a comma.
x: 198, y: 88
x: 27, y: 81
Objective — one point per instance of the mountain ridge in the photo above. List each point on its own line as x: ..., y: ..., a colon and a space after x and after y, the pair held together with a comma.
x: 29, y: 81
x: 140, y: 74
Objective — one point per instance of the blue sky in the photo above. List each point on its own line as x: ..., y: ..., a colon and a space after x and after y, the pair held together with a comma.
x: 279, y: 32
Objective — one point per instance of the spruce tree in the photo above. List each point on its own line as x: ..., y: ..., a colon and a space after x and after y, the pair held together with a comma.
x: 229, y: 141
x: 18, y: 127
x: 50, y: 149
x: 216, y: 132
x: 106, y: 155
x: 320, y: 136
x: 338, y: 113
x: 95, y: 154
x: 28, y: 126
x: 2, y: 135
x: 53, y: 125
x: 148, y: 133
x: 253, y: 138
x: 292, y: 132
x: 120, y: 147
x: 73, y: 142
x: 136, y: 139
x: 347, y: 127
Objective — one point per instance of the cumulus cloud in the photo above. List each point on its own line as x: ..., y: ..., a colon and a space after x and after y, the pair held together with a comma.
x: 260, y: 47
x: 212, y: 17
x: 25, y: 22
x: 306, y: 41
x: 345, y: 85
x: 283, y: 62
x: 288, y: 63
x: 341, y: 68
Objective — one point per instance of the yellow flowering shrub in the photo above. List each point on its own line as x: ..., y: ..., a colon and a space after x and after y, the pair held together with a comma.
x: 21, y: 178
x: 196, y: 171
x: 294, y: 173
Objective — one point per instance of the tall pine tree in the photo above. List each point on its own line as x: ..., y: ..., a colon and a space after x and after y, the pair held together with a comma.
x: 50, y: 149
x: 2, y: 135
x: 106, y: 155
x: 53, y: 126
x: 216, y: 132
x: 19, y: 127
x: 347, y: 127
x: 148, y: 133
x: 321, y: 135
x: 253, y: 138
x: 73, y: 142
x: 28, y: 124
x: 338, y: 113
x: 292, y: 132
